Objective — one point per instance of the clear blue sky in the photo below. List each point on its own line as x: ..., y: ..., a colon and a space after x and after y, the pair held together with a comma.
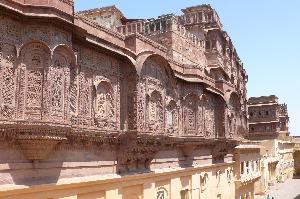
x: 266, y: 34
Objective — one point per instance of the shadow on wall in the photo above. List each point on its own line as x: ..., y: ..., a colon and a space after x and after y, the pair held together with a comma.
x: 64, y: 162
x: 296, y: 177
x: 297, y: 197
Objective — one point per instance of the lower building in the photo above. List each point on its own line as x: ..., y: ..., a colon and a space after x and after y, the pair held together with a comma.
x: 296, y: 155
x: 268, y: 125
x: 247, y: 170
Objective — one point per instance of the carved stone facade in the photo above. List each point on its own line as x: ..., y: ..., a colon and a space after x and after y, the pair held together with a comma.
x: 79, y: 98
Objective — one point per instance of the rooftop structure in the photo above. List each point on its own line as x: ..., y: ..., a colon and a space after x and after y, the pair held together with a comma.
x: 267, y: 118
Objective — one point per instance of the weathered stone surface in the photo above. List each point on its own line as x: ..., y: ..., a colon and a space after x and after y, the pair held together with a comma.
x: 93, y: 93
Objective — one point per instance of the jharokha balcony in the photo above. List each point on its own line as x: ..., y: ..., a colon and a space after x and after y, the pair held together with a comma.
x: 99, y: 84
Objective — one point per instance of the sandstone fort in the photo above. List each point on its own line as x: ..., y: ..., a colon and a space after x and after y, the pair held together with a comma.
x: 94, y: 105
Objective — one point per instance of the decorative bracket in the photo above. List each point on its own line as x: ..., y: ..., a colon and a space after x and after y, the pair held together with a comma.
x: 36, y: 147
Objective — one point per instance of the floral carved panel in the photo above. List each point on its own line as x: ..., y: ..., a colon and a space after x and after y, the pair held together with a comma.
x: 7, y: 80
x: 35, y: 59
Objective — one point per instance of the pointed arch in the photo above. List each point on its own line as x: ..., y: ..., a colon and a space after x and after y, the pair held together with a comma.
x: 155, y: 74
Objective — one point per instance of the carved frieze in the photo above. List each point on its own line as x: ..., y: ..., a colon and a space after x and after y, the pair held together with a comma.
x: 10, y: 30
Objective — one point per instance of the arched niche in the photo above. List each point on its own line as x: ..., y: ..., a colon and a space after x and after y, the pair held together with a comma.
x: 214, y: 114
x: 8, y: 57
x: 155, y: 111
x: 234, y: 102
x: 172, y: 117
x: 104, y: 105
x: 34, y: 64
x: 191, y: 114
x: 61, y: 83
x: 233, y: 115
x: 156, y: 75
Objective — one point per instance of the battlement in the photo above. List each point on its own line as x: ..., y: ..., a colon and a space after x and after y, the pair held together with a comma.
x: 202, y: 15
x: 283, y: 111
x: 171, y: 23
x: 263, y: 100
x: 164, y: 23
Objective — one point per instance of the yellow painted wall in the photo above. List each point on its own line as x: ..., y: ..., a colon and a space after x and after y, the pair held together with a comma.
x: 172, y: 184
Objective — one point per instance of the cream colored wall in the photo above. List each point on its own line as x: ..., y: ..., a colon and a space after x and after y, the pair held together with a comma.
x: 269, y: 147
x: 141, y: 186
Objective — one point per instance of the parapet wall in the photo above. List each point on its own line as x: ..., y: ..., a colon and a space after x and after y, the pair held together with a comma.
x: 263, y: 100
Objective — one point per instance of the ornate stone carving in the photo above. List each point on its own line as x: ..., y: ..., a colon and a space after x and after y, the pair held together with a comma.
x: 37, y: 147
x: 153, y: 85
x: 190, y: 114
x: 10, y: 30
x: 58, y: 84
x: 95, y: 95
x: 35, y: 59
x: 155, y: 113
x: 172, y: 117
x: 209, y: 115
x: 7, y: 79
x: 104, y: 106
x: 136, y: 154
x: 37, y: 32
x: 73, y: 91
x: 85, y: 97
